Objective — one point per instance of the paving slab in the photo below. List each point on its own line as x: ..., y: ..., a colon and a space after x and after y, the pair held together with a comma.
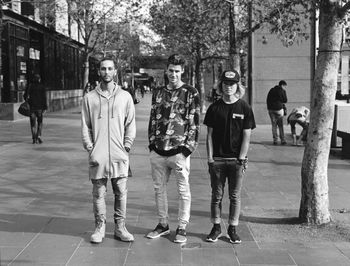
x: 91, y: 256
x: 265, y: 257
x: 210, y: 257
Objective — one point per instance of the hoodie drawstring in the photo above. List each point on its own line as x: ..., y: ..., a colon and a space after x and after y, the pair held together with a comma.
x: 113, y: 106
x: 100, y: 101
x: 100, y: 113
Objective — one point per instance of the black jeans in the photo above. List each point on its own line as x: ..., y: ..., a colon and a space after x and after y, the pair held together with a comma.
x: 234, y: 173
x: 36, y: 123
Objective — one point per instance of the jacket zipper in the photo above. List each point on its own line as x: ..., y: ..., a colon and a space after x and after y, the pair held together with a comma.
x: 109, y: 141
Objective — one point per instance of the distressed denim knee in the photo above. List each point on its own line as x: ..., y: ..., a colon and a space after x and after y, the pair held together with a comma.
x: 217, y: 180
x: 235, y: 181
x: 160, y: 176
x: 120, y: 197
x: 99, y: 190
x: 181, y: 167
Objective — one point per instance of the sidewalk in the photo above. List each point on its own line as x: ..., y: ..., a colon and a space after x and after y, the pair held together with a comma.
x: 46, y: 210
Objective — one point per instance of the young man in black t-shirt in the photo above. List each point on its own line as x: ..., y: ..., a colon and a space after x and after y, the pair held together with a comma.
x: 229, y: 123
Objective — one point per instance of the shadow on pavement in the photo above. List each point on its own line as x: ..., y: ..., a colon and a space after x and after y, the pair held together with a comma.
x: 269, y: 220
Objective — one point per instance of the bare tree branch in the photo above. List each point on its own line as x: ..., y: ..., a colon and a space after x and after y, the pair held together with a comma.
x: 268, y: 18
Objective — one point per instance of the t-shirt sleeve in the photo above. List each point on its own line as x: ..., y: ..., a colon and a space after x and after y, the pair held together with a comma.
x: 249, y: 121
x: 208, y: 119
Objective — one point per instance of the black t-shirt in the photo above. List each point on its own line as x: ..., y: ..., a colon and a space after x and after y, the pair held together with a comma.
x: 228, y: 122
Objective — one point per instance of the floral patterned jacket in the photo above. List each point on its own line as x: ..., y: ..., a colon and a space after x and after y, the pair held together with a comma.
x: 174, y: 121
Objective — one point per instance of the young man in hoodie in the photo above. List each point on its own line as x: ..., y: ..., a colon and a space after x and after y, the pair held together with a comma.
x: 173, y: 135
x: 108, y: 131
x: 276, y: 98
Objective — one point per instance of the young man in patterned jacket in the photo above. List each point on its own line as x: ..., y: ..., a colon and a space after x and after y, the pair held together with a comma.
x: 173, y: 135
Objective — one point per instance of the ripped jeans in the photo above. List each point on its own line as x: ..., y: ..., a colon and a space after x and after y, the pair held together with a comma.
x: 219, y: 171
x: 120, y: 191
x: 161, y: 169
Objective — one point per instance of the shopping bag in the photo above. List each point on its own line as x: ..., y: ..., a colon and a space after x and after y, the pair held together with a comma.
x: 24, y: 109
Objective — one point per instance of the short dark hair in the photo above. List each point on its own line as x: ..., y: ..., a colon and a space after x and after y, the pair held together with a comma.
x: 36, y: 78
x: 176, y: 59
x: 106, y: 58
x: 282, y: 83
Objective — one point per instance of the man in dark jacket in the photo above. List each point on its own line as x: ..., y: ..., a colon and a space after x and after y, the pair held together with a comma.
x: 276, y: 98
x: 35, y: 94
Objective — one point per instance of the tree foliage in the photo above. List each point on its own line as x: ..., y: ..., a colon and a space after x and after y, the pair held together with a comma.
x: 202, y: 29
x: 189, y: 26
x: 98, y: 23
x: 193, y: 28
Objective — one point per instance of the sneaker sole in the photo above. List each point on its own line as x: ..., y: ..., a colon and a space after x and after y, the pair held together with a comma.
x: 213, y: 240
x: 180, y: 241
x: 236, y: 242
x: 159, y: 235
x: 96, y: 242
x: 123, y: 239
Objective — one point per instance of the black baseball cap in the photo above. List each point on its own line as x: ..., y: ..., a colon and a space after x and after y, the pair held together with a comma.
x: 230, y: 76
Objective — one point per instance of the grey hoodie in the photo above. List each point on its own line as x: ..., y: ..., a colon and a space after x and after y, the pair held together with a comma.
x: 107, y: 127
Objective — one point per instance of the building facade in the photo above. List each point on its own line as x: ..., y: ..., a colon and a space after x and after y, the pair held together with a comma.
x: 29, y: 47
x: 271, y: 60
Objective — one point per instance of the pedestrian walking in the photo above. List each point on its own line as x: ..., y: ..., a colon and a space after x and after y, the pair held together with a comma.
x: 173, y: 136
x: 143, y: 89
x: 229, y: 122
x: 276, y: 99
x: 108, y: 132
x: 130, y: 89
x: 87, y: 88
x: 299, y: 115
x: 35, y: 94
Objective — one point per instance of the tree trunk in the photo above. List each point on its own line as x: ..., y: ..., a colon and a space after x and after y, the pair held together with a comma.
x: 314, y: 204
x: 234, y: 56
x: 200, y: 83
x: 86, y: 70
x: 193, y: 76
x: 1, y: 29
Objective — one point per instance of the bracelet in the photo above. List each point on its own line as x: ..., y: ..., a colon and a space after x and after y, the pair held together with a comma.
x: 242, y: 161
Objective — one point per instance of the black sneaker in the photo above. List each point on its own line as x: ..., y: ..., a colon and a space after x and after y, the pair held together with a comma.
x: 215, y: 233
x: 234, y: 238
x: 160, y: 230
x: 180, y: 236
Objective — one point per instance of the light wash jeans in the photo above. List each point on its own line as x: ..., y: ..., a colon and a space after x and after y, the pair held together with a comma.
x: 276, y: 117
x: 304, y: 125
x: 161, y: 169
x: 120, y: 191
x: 234, y: 173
